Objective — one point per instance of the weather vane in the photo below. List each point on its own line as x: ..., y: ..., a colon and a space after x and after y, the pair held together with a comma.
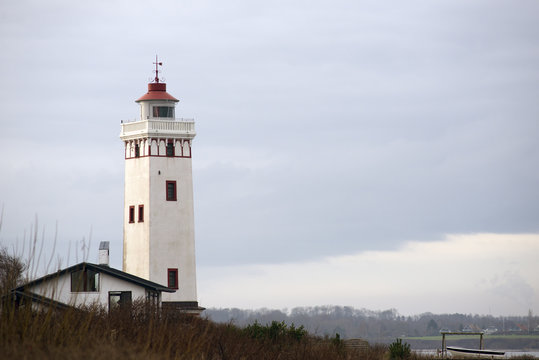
x: 157, y: 64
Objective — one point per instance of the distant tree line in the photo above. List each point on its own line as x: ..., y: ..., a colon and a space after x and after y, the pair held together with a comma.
x: 379, y: 326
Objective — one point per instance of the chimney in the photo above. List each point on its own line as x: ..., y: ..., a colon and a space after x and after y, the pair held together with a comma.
x: 104, y: 253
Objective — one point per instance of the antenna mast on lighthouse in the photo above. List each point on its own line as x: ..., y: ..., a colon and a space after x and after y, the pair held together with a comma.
x: 157, y: 64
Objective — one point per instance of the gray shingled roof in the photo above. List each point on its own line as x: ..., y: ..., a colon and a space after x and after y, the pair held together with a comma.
x: 150, y: 285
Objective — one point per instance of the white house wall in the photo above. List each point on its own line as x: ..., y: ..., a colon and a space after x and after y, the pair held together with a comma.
x: 59, y: 289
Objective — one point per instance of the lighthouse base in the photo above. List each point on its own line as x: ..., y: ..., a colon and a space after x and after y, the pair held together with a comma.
x: 187, y: 307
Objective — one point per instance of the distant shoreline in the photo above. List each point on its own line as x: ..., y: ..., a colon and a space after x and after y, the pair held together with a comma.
x: 501, y: 342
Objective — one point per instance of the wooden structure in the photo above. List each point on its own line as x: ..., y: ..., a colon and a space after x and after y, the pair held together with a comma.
x: 358, y: 345
x: 444, y: 333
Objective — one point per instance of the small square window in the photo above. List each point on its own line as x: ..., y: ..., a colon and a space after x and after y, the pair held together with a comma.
x: 171, y: 191
x: 141, y: 213
x: 131, y: 214
x: 172, y: 278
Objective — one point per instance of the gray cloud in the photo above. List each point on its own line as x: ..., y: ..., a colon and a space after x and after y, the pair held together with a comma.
x: 364, y: 125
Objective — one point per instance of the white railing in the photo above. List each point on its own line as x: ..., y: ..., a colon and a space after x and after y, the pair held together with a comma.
x: 157, y: 119
x: 184, y: 126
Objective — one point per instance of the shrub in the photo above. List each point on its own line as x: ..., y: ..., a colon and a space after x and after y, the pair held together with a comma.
x: 275, y: 332
x: 11, y: 271
x: 398, y: 350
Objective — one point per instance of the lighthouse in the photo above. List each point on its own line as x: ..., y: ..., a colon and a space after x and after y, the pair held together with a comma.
x: 159, y: 234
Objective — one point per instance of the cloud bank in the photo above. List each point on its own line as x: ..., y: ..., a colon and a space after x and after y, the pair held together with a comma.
x: 494, y: 274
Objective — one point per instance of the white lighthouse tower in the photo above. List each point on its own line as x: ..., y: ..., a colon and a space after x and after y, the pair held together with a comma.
x: 159, y: 237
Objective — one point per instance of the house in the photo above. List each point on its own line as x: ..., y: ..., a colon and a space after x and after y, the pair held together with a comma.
x: 471, y: 328
x: 90, y: 284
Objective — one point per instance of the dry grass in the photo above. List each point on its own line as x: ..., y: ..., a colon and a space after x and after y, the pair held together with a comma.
x: 144, y: 334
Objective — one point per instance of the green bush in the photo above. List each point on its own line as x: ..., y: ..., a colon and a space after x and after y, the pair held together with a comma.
x: 276, y: 331
x: 398, y: 350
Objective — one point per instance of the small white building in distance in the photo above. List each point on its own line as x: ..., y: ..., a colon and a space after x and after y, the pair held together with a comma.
x: 89, y: 284
x: 159, y: 226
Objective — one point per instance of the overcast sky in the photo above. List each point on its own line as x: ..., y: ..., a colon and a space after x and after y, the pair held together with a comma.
x: 338, y: 141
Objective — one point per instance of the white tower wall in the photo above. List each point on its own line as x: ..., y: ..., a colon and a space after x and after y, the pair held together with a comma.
x: 173, y: 224
x: 136, y: 259
x: 160, y: 241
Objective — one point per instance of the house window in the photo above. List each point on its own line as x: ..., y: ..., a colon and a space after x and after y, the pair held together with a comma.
x: 170, y: 148
x: 137, y: 150
x: 131, y: 214
x: 141, y: 213
x: 119, y: 300
x: 172, y: 278
x: 163, y: 111
x: 84, y: 280
x: 171, y: 190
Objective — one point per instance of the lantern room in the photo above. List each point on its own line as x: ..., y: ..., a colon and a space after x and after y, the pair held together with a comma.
x: 157, y: 103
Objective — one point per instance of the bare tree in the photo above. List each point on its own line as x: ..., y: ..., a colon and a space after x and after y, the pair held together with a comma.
x: 11, y: 271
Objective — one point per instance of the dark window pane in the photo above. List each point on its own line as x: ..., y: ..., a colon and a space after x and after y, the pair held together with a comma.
x: 92, y: 281
x: 77, y: 281
x: 119, y: 300
x: 84, y: 281
x: 140, y: 213
x: 173, y: 278
x: 163, y: 111
x: 171, y: 190
x: 125, y: 298
x: 170, y: 149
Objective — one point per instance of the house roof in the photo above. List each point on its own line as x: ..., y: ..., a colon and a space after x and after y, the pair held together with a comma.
x: 18, y: 295
x: 150, y: 285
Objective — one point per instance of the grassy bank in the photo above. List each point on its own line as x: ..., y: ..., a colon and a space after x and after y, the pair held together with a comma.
x: 141, y: 333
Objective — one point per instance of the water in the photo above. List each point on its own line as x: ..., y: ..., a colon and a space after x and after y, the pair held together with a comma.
x: 511, y: 353
x: 508, y: 353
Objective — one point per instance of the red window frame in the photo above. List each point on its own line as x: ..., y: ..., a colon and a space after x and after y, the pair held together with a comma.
x: 171, y: 195
x: 141, y: 213
x: 131, y: 214
x: 174, y: 283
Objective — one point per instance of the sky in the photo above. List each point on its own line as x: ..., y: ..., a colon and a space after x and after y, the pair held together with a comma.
x: 375, y: 154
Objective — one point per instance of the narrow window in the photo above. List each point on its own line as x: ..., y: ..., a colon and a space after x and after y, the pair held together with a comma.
x: 170, y: 148
x: 84, y: 280
x: 131, y: 214
x: 137, y: 150
x: 173, y: 278
x: 171, y: 190
x: 141, y: 213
